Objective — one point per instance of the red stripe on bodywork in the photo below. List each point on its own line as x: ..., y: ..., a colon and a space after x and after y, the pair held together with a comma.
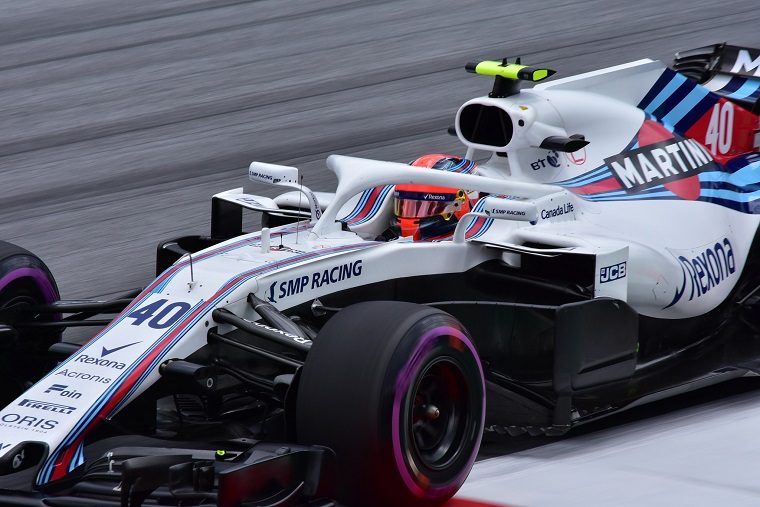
x: 608, y: 185
x: 369, y: 204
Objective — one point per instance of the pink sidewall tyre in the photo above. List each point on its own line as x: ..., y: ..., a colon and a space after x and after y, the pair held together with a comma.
x: 397, y: 391
x: 25, y: 281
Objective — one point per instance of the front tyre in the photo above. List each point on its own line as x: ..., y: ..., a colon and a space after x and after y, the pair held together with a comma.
x: 25, y: 281
x: 397, y: 391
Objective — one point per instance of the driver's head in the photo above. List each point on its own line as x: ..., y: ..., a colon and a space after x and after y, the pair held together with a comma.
x: 427, y: 212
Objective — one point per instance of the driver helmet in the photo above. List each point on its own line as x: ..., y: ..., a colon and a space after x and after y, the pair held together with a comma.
x: 428, y: 212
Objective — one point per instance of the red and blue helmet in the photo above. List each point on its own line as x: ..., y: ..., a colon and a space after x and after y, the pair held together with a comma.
x: 428, y: 212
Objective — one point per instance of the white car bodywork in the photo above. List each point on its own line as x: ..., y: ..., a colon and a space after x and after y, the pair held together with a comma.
x: 644, y: 251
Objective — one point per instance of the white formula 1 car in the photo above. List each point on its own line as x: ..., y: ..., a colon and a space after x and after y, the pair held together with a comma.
x: 609, y: 258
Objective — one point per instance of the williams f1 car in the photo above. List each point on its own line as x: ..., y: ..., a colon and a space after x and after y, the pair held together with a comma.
x: 602, y: 253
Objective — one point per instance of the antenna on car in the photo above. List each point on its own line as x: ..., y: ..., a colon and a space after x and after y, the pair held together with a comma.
x: 300, y: 195
x: 191, y: 283
x: 507, y: 76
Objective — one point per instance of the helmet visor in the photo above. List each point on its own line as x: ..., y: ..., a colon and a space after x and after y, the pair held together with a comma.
x: 417, y: 208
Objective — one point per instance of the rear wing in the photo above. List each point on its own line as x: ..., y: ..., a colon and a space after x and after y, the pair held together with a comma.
x: 730, y: 71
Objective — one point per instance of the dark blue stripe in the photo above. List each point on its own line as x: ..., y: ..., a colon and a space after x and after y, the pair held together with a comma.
x: 674, y: 99
x: 724, y: 185
x: 744, y: 207
x: 734, y: 84
x: 696, y: 113
x: 663, y: 80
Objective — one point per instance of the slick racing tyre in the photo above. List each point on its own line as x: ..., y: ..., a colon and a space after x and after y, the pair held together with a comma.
x: 25, y: 281
x: 397, y: 391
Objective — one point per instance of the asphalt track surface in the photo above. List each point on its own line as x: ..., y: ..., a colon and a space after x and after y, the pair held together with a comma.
x: 119, y: 120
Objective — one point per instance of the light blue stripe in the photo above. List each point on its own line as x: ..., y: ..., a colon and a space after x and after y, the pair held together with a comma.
x: 376, y: 206
x: 478, y: 207
x: 359, y: 206
x: 609, y: 194
x: 485, y: 228
x: 730, y: 195
x: 585, y: 182
x: 583, y: 176
x: 486, y: 225
x: 747, y: 175
x: 687, y: 104
x: 745, y: 90
x: 634, y: 197
x: 666, y: 92
x: 457, y: 165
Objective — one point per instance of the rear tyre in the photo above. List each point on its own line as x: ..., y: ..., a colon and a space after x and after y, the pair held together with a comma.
x: 397, y: 391
x: 25, y: 281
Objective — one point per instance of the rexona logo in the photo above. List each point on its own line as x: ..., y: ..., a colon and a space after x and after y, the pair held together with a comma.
x: 84, y: 376
x: 4, y: 446
x: 106, y: 363
x: 28, y: 422
x: 44, y: 405
x: 435, y: 197
x: 279, y: 290
x: 705, y: 271
x: 558, y: 211
x: 659, y: 163
x: 612, y: 273
x: 64, y: 391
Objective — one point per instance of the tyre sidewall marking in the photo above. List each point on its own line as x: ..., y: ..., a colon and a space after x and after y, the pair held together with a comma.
x: 404, y: 380
x: 37, y: 275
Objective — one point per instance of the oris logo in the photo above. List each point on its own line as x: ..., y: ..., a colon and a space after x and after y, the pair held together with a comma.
x: 28, y: 422
x: 705, y: 271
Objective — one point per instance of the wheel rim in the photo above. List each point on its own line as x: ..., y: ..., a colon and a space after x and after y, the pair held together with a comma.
x: 16, y: 306
x: 437, y: 423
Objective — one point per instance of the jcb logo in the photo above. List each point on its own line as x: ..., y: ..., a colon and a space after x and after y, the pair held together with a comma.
x: 612, y: 273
